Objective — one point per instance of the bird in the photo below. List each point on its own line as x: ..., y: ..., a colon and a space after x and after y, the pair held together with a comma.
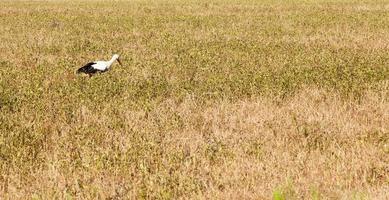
x: 98, y: 66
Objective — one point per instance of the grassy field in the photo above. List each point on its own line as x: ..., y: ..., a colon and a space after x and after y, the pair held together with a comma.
x: 219, y: 100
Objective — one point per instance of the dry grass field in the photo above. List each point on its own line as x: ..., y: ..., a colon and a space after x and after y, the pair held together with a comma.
x: 223, y: 99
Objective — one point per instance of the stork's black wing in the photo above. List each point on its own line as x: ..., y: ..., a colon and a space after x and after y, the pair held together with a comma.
x: 88, y: 69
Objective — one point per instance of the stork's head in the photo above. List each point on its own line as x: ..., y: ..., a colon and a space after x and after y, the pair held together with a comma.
x: 116, y: 57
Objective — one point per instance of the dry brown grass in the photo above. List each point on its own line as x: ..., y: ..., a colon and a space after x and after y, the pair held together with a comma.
x: 312, y: 143
x: 222, y: 100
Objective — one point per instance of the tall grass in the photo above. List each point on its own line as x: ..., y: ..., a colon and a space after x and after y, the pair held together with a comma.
x: 221, y: 99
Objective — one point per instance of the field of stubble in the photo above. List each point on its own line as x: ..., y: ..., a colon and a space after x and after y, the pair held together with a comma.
x: 217, y: 100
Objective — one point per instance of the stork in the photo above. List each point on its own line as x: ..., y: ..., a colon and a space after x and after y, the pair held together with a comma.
x: 98, y: 66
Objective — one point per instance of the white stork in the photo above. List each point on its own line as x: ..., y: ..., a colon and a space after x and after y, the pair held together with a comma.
x: 98, y: 66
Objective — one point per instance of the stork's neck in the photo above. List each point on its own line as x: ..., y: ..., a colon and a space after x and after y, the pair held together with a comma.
x: 110, y: 62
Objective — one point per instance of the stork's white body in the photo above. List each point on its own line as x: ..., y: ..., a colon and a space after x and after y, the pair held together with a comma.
x: 102, y: 65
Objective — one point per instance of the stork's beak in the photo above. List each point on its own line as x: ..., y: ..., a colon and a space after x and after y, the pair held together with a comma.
x: 119, y: 62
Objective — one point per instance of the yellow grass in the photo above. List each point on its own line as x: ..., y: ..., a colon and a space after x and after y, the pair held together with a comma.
x: 216, y: 100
